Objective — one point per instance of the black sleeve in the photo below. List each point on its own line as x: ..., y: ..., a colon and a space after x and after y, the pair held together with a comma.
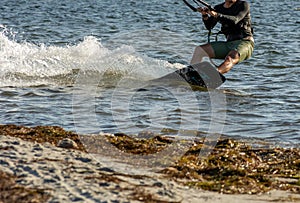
x: 211, y: 22
x: 245, y: 9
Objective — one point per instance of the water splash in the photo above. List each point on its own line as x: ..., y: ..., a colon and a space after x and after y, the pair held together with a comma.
x: 27, y: 64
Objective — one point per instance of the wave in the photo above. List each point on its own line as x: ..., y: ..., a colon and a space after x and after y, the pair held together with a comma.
x: 26, y: 64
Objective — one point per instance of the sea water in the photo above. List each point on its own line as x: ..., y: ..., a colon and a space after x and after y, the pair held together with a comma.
x: 87, y: 66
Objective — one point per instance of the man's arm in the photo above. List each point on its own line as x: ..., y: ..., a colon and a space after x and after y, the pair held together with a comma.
x: 237, y: 18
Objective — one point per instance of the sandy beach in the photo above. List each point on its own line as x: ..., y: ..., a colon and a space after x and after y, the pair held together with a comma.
x: 60, y: 174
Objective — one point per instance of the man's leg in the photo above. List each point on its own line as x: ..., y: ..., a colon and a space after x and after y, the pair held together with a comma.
x: 201, y: 51
x: 240, y: 51
x: 231, y: 59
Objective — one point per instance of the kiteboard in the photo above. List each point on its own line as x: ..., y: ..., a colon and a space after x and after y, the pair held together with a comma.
x: 203, y: 75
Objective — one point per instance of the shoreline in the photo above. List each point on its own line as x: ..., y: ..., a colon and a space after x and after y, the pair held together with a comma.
x: 32, y: 158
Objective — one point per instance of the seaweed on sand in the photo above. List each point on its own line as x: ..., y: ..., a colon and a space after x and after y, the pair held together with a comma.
x: 41, y: 134
x: 233, y: 167
x: 237, y: 168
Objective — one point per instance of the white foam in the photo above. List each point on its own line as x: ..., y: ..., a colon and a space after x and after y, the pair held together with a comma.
x: 27, y: 64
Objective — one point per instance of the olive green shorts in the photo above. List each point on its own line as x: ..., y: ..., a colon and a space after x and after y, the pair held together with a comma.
x: 243, y: 47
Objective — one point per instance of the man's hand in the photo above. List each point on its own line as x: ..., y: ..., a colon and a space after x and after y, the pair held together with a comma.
x: 203, y: 10
x: 213, y: 13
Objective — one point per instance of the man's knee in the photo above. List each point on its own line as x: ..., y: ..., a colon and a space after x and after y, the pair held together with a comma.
x: 234, y: 55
